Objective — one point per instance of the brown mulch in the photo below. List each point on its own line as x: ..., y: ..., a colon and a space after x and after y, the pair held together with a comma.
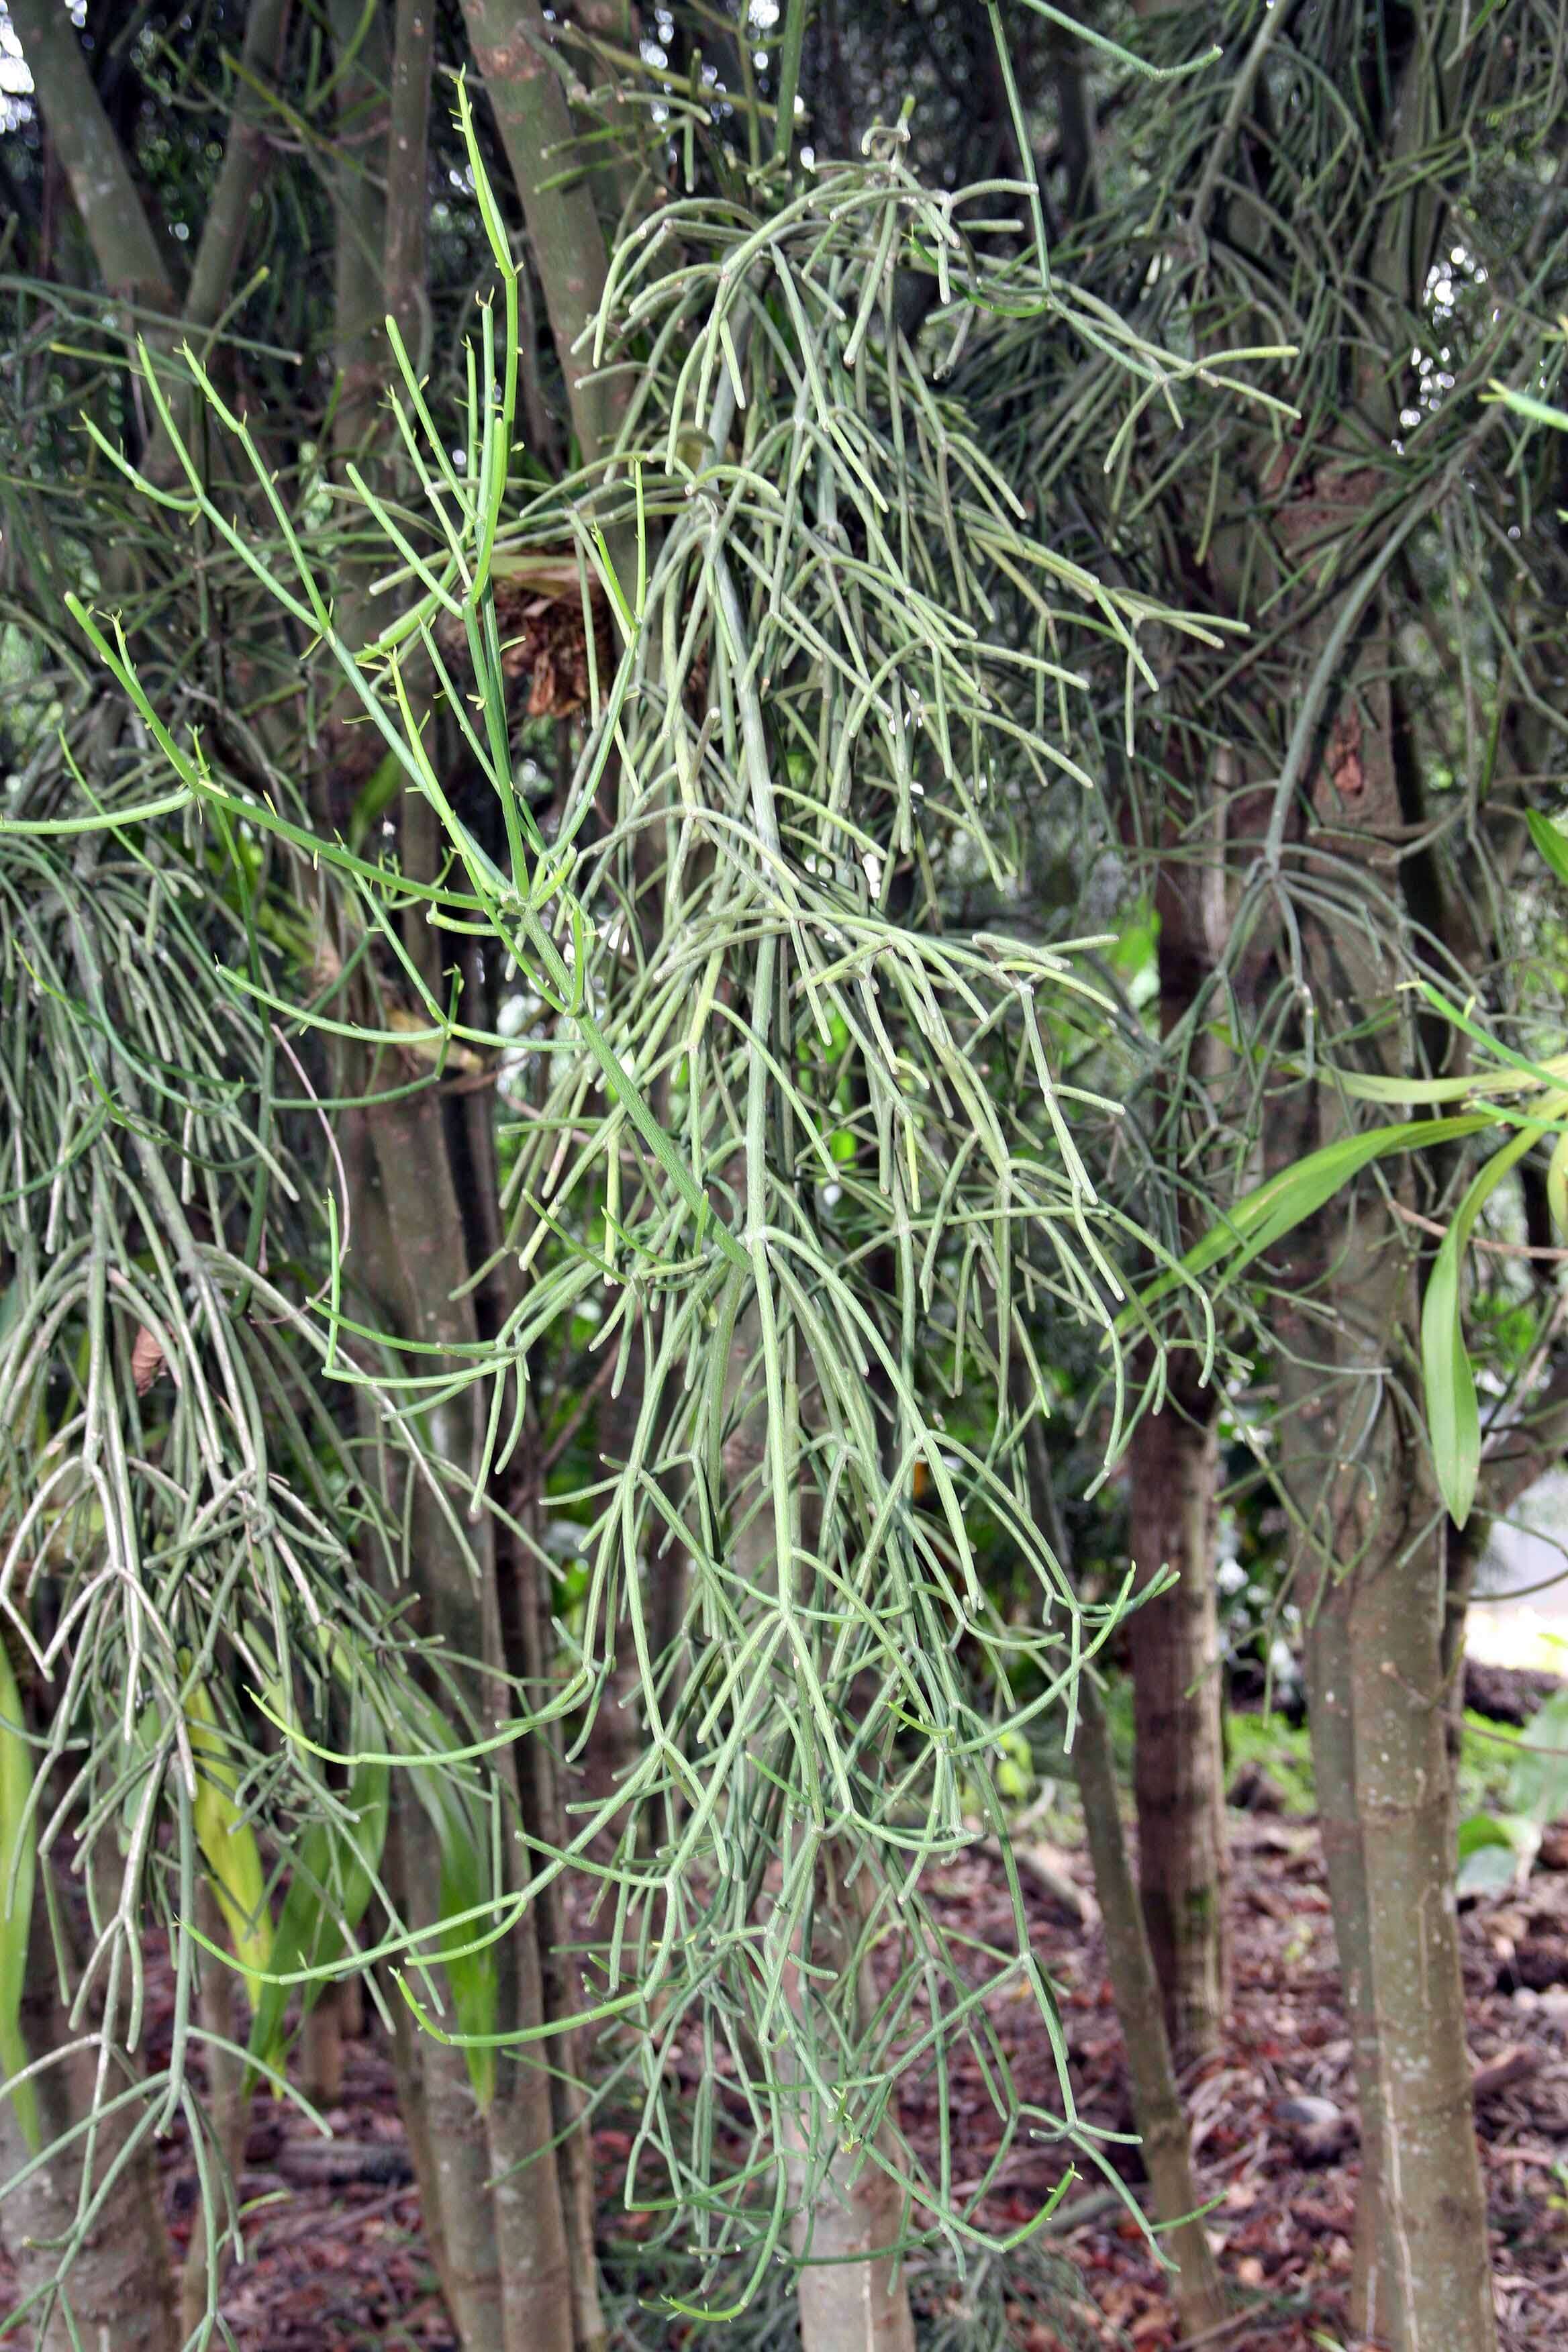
x: 1274, y: 2115
x: 337, y: 2263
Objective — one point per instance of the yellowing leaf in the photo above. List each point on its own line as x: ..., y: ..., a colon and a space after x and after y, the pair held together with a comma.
x: 15, y: 1882
x: 228, y: 1844
x: 1557, y: 1184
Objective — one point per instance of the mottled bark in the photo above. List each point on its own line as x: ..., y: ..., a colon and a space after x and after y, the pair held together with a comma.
x: 511, y: 47
x: 853, y: 2211
x: 1178, y: 1777
x: 227, y: 2111
x: 409, y: 2047
x: 120, y: 228
x: 222, y: 241
x: 321, y: 2047
x: 1179, y: 1753
x: 123, y: 243
x: 1371, y: 1569
x: 1330, y: 1697
x: 408, y: 178
x: 359, y: 218
x: 505, y: 2184
x: 615, y: 1736
x: 526, y: 1636
x: 1377, y: 1682
x: 506, y: 2247
x: 1162, y: 2135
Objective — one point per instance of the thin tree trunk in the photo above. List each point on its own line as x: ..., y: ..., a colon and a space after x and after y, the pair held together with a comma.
x: 321, y: 2047
x: 525, y: 1633
x: 511, y: 41
x: 1439, y: 2272
x: 408, y: 2055
x: 1162, y: 2135
x: 848, y: 2212
x: 490, y: 2176
x: 1371, y: 1569
x: 510, y: 2241
x: 545, y: 1987
x: 1376, y: 1684
x: 408, y: 178
x: 224, y: 230
x: 1177, y: 1691
x: 1178, y: 1776
x: 614, y: 1734
x: 852, y: 2213
x: 123, y: 243
x: 413, y: 1257
x: 360, y: 225
x: 1330, y: 1700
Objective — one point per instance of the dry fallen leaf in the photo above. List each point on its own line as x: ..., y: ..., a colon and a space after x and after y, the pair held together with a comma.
x: 146, y: 1360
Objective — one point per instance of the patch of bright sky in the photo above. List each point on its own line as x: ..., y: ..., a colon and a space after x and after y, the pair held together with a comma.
x: 16, y: 81
x: 1447, y: 280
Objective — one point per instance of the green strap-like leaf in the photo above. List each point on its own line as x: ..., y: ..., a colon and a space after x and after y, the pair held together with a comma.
x: 1261, y: 1218
x: 228, y: 1844
x: 1552, y: 845
x: 1453, y: 1421
x: 16, y: 1892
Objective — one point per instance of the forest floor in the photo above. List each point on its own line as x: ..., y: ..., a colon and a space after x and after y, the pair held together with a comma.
x: 339, y: 2264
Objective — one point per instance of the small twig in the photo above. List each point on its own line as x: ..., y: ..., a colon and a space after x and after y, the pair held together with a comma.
x: 344, y: 1196
x: 338, y: 2213
x: 1240, y: 98
x: 576, y: 1417
x: 1223, y: 2328
x: 1479, y: 1242
x: 1084, y: 2210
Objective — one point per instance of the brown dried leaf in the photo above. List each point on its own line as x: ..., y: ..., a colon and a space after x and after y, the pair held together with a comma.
x: 543, y: 638
x: 146, y: 1360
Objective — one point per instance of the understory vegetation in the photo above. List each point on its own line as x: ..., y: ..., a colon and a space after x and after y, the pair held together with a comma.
x: 783, y: 1091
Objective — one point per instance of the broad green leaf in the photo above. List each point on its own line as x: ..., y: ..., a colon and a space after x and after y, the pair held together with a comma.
x: 1496, y: 1851
x: 16, y: 1892
x: 1538, y: 1784
x: 1261, y: 1218
x: 1453, y: 1422
x: 1552, y: 844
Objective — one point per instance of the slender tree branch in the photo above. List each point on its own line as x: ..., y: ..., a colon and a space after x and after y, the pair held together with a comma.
x: 244, y: 166
x: 407, y: 176
x: 123, y: 243
x: 510, y: 44
x: 1527, y: 1449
